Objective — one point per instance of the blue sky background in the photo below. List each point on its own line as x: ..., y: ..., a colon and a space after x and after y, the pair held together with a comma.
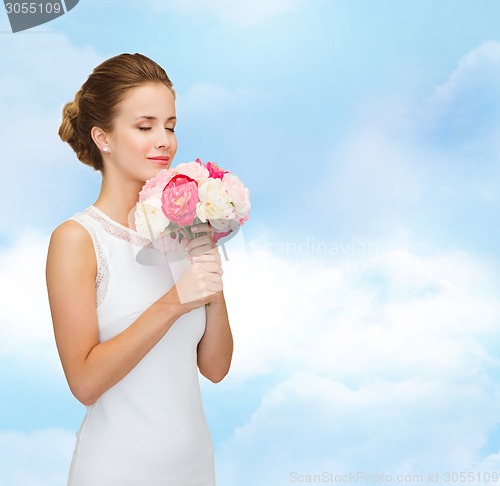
x: 363, y: 293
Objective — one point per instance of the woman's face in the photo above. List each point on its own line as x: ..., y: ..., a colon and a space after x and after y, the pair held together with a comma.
x: 142, y: 141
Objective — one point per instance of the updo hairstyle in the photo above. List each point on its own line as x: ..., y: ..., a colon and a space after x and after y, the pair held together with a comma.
x: 95, y: 104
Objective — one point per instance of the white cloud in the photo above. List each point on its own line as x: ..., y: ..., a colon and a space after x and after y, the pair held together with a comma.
x: 26, y: 333
x: 476, y: 70
x: 390, y: 364
x: 396, y: 315
x: 310, y: 424
x: 40, y: 458
x: 490, y: 464
x: 465, y: 108
x: 32, y: 93
x: 242, y: 13
x: 33, y: 83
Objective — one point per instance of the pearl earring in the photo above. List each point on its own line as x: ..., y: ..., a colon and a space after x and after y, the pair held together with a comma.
x: 105, y: 149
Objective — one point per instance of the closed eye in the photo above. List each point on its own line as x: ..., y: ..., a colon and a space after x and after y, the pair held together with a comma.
x: 144, y: 129
x: 171, y: 130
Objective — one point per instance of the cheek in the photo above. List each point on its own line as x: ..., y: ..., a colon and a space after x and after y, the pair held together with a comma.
x: 127, y: 144
x: 138, y: 144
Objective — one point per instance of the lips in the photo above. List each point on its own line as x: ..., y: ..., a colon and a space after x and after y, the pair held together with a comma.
x: 162, y: 160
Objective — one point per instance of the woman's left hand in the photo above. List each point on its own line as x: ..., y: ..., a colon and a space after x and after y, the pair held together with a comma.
x: 203, y: 244
x: 203, y: 251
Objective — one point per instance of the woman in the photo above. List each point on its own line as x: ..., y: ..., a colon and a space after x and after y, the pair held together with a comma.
x: 131, y: 340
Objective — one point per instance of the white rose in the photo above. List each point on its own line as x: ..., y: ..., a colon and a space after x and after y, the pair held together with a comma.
x: 150, y: 221
x: 215, y: 204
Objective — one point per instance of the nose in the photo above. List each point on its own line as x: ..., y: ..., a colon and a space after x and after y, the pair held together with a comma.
x: 163, y: 141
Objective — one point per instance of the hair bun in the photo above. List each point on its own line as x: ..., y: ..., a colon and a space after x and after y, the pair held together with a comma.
x: 69, y: 115
x: 68, y: 131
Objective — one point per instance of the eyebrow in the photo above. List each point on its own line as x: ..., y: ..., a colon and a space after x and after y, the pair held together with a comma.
x: 149, y: 117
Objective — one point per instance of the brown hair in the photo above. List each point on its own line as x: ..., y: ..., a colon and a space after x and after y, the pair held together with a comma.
x: 95, y: 104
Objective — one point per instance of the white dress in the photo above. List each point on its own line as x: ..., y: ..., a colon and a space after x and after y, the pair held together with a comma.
x: 149, y: 429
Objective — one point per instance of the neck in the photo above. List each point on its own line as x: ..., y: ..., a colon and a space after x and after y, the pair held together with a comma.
x: 118, y: 198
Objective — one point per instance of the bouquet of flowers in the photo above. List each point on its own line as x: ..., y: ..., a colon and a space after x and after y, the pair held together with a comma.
x: 191, y: 193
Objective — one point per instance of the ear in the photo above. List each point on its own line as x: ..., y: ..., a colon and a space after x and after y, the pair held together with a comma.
x: 100, y: 137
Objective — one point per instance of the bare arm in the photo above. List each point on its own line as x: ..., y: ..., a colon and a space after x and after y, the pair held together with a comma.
x: 215, y: 349
x: 91, y: 367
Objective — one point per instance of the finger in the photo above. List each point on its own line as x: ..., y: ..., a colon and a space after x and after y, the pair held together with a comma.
x: 215, y: 287
x: 212, y: 268
x: 199, y: 252
x: 209, y: 256
x: 201, y: 228
x: 200, y: 241
x: 214, y: 252
x: 204, y: 228
x: 204, y: 259
x: 196, y: 250
x: 208, y: 270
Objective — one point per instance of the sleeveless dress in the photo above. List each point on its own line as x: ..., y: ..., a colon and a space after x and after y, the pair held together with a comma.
x: 149, y: 429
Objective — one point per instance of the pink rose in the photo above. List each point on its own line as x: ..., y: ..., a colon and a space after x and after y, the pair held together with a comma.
x: 239, y: 195
x: 214, y: 170
x: 194, y: 170
x: 155, y: 186
x: 179, y: 198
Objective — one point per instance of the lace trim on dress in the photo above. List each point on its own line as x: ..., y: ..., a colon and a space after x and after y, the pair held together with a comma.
x: 102, y: 277
x: 117, y: 230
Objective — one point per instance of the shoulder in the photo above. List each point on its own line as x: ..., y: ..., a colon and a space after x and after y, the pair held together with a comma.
x: 71, y: 233
x: 71, y: 246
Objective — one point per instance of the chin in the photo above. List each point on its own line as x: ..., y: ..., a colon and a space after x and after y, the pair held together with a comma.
x: 150, y: 174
